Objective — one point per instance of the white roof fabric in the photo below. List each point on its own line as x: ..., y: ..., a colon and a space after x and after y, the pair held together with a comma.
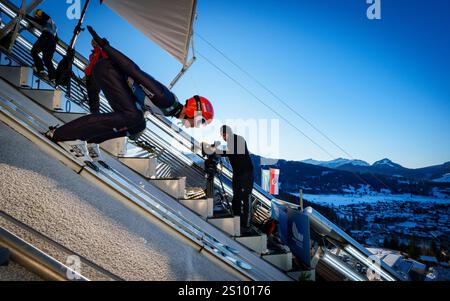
x: 167, y: 22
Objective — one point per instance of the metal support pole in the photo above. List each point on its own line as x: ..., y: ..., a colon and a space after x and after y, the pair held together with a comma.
x: 78, y: 29
x: 301, y: 200
x: 181, y: 73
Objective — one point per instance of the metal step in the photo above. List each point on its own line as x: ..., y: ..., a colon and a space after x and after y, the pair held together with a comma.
x: 257, y: 243
x: 229, y: 225
x: 49, y: 99
x: 283, y: 261
x: 17, y: 76
x: 175, y: 187
x: 145, y: 166
x: 116, y: 147
x: 203, y: 207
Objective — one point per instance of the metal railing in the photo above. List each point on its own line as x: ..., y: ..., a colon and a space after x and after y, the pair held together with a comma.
x: 49, y: 266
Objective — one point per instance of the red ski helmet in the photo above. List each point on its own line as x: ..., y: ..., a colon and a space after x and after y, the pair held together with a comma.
x: 202, y: 105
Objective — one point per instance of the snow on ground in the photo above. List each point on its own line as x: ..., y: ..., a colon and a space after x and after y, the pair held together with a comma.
x: 407, y: 225
x: 444, y: 179
x: 337, y: 200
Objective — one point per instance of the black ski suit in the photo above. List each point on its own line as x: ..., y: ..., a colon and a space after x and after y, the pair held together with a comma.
x: 45, y: 44
x: 243, y: 178
x: 111, y: 76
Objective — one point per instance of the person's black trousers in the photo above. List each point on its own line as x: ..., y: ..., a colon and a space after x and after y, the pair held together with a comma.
x: 242, y: 190
x: 93, y: 92
x: 46, y: 44
x: 126, y: 119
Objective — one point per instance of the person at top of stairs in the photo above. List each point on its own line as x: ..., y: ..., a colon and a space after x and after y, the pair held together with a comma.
x: 45, y: 44
x: 93, y: 90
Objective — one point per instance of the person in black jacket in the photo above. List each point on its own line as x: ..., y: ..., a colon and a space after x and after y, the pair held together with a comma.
x: 123, y: 84
x: 241, y: 162
x: 46, y: 44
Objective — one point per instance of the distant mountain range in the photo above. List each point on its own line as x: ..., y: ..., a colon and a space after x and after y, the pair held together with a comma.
x: 336, y: 163
x: 386, y: 167
x: 343, y: 176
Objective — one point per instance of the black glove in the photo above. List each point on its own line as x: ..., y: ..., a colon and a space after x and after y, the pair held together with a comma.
x: 102, y: 42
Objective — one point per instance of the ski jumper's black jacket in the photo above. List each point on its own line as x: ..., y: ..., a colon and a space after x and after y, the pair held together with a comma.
x: 111, y: 75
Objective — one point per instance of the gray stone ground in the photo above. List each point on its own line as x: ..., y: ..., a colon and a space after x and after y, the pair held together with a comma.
x: 51, y: 198
x: 14, y: 272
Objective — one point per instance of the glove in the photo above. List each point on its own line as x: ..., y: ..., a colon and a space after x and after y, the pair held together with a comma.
x: 102, y: 42
x: 207, y: 149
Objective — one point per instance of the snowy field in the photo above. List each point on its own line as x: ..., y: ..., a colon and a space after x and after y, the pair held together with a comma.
x: 337, y: 200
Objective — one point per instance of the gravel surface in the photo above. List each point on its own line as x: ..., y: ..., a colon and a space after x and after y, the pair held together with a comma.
x: 15, y: 272
x: 44, y: 194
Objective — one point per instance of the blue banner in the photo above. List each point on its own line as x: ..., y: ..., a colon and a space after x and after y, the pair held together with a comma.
x: 299, y: 236
x: 280, y: 214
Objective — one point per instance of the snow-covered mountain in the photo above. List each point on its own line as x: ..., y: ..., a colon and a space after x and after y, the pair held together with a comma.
x: 386, y: 163
x: 357, y: 177
x: 389, y: 168
x: 336, y: 163
x: 444, y: 179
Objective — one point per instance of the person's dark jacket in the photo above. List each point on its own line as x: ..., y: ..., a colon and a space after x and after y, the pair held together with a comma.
x: 46, y: 23
x: 238, y: 154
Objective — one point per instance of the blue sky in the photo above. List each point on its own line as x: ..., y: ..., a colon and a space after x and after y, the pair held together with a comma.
x: 377, y: 88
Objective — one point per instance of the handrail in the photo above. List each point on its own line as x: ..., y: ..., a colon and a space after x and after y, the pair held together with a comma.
x: 59, y: 246
x: 35, y: 260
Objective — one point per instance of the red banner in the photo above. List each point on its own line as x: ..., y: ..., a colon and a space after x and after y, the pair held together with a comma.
x: 274, y: 178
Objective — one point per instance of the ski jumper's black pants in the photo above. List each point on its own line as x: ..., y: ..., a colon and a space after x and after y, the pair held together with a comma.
x: 93, y: 92
x: 125, y: 120
x: 46, y: 44
x: 242, y: 190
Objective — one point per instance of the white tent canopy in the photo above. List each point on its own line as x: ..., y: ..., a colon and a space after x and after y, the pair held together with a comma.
x: 167, y: 22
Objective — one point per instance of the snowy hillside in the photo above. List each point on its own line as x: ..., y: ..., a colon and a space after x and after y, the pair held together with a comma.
x: 336, y: 163
x: 444, y: 179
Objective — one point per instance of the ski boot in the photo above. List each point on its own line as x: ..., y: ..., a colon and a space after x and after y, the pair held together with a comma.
x: 96, y: 155
x: 80, y: 151
x: 76, y: 148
